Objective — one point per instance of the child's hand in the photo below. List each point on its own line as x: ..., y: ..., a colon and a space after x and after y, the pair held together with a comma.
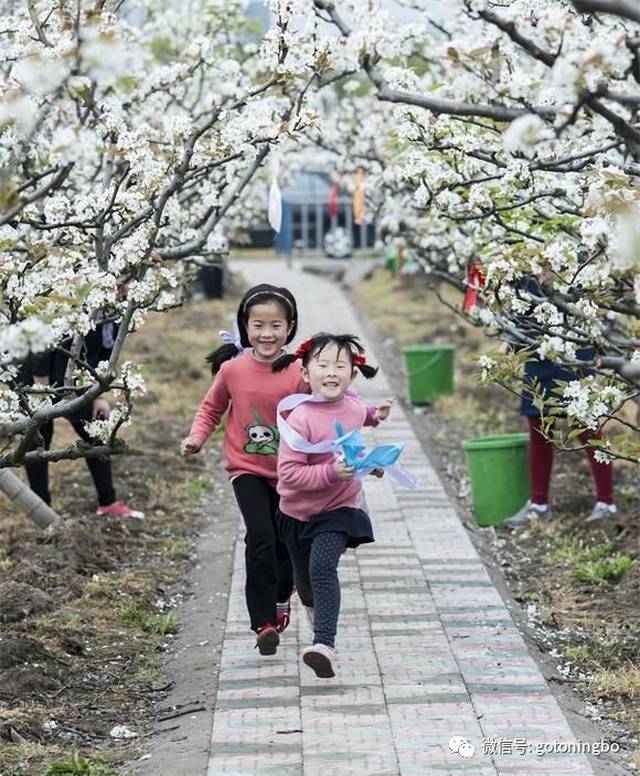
x: 189, y: 446
x: 342, y: 472
x: 378, y: 473
x: 384, y: 408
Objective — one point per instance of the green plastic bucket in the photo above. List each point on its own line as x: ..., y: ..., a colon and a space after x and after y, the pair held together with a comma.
x: 499, y: 475
x: 429, y: 370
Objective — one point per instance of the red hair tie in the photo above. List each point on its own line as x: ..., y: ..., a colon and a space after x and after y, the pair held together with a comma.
x: 302, y: 349
x: 359, y: 360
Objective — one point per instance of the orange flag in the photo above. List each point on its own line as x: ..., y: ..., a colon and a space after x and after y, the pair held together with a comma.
x: 358, y: 198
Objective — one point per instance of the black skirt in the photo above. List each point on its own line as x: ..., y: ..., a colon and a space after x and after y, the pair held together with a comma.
x: 546, y: 376
x: 355, y: 523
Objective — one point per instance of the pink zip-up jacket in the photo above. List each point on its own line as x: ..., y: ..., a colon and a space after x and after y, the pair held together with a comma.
x: 307, y: 483
x: 250, y: 391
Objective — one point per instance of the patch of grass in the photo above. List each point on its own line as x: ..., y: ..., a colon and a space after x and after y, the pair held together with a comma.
x: 161, y: 363
x: 196, y: 487
x: 493, y: 421
x: 43, y: 623
x: 132, y: 614
x: 599, y: 572
x: 104, y: 586
x: 151, y: 670
x: 163, y: 624
x: 76, y: 765
x: 175, y: 338
x: 17, y: 769
x: 177, y: 549
x: 22, y: 760
x: 463, y: 409
x: 5, y: 562
x: 627, y: 491
x: 468, y: 411
x: 159, y: 624
x: 572, y: 550
x: 623, y: 682
x: 578, y: 654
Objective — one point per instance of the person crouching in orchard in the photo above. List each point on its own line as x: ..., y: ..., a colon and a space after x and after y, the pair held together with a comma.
x: 50, y: 369
x: 245, y: 385
x: 320, y: 501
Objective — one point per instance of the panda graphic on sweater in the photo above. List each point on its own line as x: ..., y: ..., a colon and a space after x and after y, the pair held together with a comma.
x: 263, y: 439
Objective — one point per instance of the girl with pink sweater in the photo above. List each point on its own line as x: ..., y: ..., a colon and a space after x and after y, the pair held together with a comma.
x: 249, y: 390
x: 320, y: 500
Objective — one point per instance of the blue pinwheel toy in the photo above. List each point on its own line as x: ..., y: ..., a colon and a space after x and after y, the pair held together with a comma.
x: 363, y: 462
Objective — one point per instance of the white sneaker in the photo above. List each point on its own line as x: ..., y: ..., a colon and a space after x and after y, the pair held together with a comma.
x: 602, y: 511
x: 320, y: 659
x: 529, y: 512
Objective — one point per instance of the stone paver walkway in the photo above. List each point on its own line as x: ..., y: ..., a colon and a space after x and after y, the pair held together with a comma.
x: 427, y: 649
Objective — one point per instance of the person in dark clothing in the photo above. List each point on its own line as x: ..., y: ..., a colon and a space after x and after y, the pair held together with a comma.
x: 542, y: 375
x: 49, y: 369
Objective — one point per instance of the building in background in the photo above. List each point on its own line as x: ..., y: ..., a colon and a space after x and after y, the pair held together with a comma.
x: 307, y: 221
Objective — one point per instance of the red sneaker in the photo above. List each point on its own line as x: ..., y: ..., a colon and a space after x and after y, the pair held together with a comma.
x: 268, y: 639
x: 283, y: 617
x: 119, y: 509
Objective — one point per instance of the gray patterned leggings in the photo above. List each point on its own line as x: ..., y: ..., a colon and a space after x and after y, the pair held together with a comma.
x: 315, y: 571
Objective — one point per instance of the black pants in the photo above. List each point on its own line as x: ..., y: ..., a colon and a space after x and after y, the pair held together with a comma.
x: 315, y: 568
x: 269, y: 574
x: 100, y: 468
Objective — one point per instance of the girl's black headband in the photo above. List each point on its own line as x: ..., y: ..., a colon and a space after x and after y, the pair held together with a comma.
x: 268, y: 293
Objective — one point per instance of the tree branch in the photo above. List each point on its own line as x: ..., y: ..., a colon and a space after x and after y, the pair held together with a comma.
x: 449, y: 107
x: 511, y: 30
x: 433, y: 104
x: 195, y: 245
x: 56, y: 181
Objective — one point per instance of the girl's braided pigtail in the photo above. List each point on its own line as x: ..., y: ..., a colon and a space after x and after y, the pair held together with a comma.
x: 366, y: 370
x: 218, y: 356
x: 282, y: 362
x: 359, y: 362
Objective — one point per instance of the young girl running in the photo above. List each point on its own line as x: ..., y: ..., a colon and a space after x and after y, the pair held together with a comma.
x: 267, y: 320
x: 320, y: 501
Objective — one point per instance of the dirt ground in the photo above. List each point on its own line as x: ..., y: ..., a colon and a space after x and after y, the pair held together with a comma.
x: 87, y: 609
x: 578, y: 584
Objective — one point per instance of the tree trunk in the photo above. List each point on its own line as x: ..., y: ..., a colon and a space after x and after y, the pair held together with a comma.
x: 26, y: 500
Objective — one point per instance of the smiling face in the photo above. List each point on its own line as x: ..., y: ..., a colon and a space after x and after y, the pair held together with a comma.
x: 267, y: 329
x: 329, y: 372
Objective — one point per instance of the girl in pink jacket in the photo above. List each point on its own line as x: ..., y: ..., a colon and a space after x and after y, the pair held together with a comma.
x: 320, y: 500
x: 249, y: 390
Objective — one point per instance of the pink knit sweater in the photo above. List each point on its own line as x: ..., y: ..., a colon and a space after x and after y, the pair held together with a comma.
x: 251, y: 392
x: 306, y: 482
